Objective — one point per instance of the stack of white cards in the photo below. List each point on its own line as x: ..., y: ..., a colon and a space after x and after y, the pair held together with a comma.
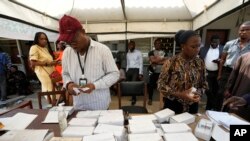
x: 141, y: 126
x: 83, y: 122
x: 186, y: 136
x: 145, y: 137
x: 204, y: 129
x: 183, y: 118
x: 88, y: 114
x: 77, y: 131
x: 175, y: 128
x: 100, y: 137
x: 118, y: 131
x: 164, y: 115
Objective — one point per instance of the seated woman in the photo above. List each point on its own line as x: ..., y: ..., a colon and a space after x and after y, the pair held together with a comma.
x: 183, y: 72
x: 19, y: 81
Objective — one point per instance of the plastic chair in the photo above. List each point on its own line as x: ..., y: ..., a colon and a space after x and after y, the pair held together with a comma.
x: 130, y: 88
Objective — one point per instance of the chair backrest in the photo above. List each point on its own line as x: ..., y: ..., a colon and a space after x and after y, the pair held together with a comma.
x: 23, y: 104
x: 132, y: 88
x: 53, y: 97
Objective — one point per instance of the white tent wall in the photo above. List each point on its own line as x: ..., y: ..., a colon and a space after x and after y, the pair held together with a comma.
x: 215, y: 11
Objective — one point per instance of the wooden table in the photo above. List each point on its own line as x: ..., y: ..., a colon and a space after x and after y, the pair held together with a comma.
x: 37, y: 122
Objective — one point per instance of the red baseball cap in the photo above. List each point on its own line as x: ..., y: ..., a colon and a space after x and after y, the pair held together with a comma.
x: 68, y: 26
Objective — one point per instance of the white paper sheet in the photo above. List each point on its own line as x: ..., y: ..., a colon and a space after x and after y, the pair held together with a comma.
x: 176, y: 128
x: 18, y: 121
x: 88, y: 114
x: 145, y: 137
x: 52, y: 117
x: 100, y: 137
x: 24, y: 135
x: 187, y: 136
x: 83, y: 122
x: 77, y: 131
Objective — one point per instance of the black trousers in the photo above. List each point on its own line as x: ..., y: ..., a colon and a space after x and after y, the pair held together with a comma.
x: 214, y: 99
x: 153, y: 78
x: 177, y: 107
x: 132, y: 75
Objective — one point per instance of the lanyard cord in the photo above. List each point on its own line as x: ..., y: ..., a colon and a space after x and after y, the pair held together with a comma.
x: 82, y: 68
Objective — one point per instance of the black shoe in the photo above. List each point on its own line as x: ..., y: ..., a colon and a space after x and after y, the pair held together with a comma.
x: 133, y: 102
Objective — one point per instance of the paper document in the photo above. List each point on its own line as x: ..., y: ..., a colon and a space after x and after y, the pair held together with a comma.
x: 77, y: 90
x: 18, y: 121
x: 52, y: 117
x: 24, y: 135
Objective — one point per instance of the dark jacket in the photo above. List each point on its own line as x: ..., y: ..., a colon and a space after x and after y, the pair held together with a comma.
x: 204, y: 50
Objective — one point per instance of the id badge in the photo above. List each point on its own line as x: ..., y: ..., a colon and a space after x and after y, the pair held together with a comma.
x: 82, y: 81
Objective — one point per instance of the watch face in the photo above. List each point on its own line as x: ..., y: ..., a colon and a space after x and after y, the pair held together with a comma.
x: 82, y: 82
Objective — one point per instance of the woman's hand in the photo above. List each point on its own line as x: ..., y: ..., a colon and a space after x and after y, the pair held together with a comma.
x: 188, y: 95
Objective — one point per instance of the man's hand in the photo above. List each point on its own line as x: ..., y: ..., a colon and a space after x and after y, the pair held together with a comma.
x: 234, y: 102
x: 70, y: 88
x: 88, y: 88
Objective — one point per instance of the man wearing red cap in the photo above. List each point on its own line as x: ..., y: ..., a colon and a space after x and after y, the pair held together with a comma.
x: 89, y: 68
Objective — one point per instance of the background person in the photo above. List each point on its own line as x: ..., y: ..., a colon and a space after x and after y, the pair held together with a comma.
x: 211, y: 54
x: 42, y: 60
x: 182, y: 72
x: 88, y: 60
x: 134, y: 69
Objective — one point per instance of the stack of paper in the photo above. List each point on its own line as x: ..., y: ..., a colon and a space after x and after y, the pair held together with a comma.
x: 77, y: 131
x: 164, y: 115
x: 118, y: 131
x: 108, y: 112
x: 183, y: 118
x: 175, y: 128
x: 203, y: 129
x: 225, y: 119
x: 141, y: 126
x: 220, y: 134
x: 24, y: 135
x: 88, y: 114
x: 100, y: 137
x: 18, y: 121
x: 187, y: 136
x: 65, y: 139
x: 83, y: 122
x: 113, y: 119
x: 68, y: 109
x: 151, y: 117
x: 145, y: 137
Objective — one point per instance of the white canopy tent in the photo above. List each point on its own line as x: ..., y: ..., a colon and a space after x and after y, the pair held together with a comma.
x: 110, y: 19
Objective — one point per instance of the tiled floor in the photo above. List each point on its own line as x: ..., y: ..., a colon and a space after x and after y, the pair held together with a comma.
x: 114, y: 103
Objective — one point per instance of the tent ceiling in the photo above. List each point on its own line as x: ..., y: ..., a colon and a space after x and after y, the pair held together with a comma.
x: 94, y: 11
x: 115, y: 16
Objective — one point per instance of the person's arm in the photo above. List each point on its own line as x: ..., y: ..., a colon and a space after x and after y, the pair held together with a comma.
x: 221, y: 64
x: 235, y: 101
x: 112, y: 73
x: 141, y: 64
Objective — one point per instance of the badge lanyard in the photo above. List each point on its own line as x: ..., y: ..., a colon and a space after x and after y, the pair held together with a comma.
x: 79, y: 60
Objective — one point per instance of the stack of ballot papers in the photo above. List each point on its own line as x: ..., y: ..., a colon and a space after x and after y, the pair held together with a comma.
x: 83, y: 122
x: 164, y: 115
x: 17, y: 122
x: 203, y: 129
x: 25, y: 135
x: 225, y: 119
x: 68, y: 109
x: 186, y: 136
x: 175, y: 128
x: 141, y: 126
x: 77, y: 131
x: 118, y: 131
x: 111, y: 112
x: 145, y: 137
x: 65, y: 139
x: 150, y: 117
x: 113, y: 119
x: 88, y: 114
x: 100, y: 137
x: 182, y: 118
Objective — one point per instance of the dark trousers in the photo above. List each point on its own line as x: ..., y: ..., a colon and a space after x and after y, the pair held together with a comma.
x: 177, y: 107
x: 153, y: 78
x: 132, y: 75
x: 226, y: 71
x: 214, y: 99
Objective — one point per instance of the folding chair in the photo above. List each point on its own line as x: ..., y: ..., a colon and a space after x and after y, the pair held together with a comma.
x: 130, y: 88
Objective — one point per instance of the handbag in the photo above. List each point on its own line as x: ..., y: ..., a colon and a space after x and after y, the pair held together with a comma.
x: 55, y: 76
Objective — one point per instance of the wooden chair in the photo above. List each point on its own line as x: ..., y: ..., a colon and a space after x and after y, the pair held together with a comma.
x: 130, y: 88
x: 23, y: 104
x: 53, y: 97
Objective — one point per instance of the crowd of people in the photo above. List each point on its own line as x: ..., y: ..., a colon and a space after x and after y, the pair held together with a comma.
x: 89, y: 70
